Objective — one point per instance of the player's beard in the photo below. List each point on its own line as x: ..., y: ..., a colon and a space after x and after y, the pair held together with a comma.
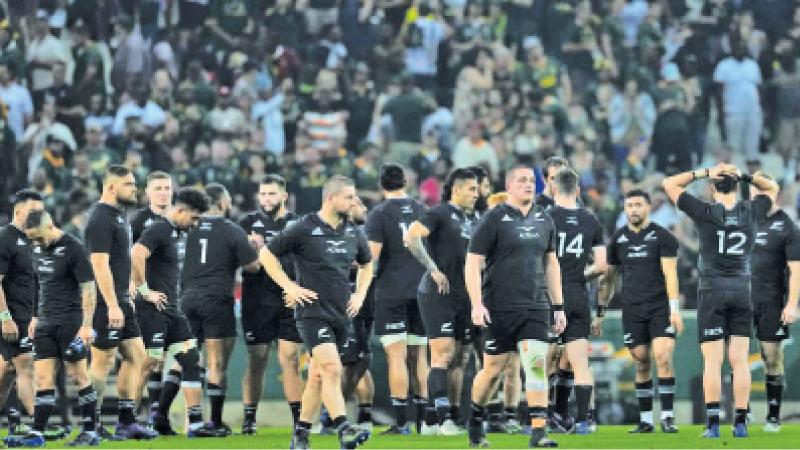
x: 272, y: 212
x: 127, y: 202
x: 635, y: 220
x: 481, y: 204
x: 343, y: 216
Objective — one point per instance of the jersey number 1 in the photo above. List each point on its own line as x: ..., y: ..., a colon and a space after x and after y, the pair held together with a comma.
x: 735, y: 249
x: 203, y: 248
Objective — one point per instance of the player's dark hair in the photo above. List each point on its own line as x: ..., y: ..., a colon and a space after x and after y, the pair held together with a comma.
x: 554, y: 161
x: 567, y: 181
x: 26, y: 195
x: 215, y: 192
x: 274, y: 178
x: 117, y: 170
x: 192, y: 198
x: 36, y: 219
x: 393, y: 177
x: 726, y: 184
x: 158, y: 175
x: 456, y: 176
x: 638, y: 193
x: 480, y: 173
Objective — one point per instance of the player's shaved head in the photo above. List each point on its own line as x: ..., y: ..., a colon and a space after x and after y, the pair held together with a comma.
x: 157, y: 175
x: 114, y: 173
x: 273, y: 179
x: 336, y: 184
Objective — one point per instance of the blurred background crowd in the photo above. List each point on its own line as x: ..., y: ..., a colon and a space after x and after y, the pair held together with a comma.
x: 229, y: 90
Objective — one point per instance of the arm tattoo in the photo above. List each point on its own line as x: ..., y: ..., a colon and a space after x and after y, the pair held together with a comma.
x: 417, y: 248
x: 89, y: 296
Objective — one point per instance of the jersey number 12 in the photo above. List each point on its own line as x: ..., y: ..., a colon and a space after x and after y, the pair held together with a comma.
x: 737, y: 238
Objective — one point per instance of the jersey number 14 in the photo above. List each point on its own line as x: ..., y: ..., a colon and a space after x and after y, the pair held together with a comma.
x: 574, y: 247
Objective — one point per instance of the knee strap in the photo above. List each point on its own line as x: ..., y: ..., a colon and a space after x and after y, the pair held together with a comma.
x: 533, y: 358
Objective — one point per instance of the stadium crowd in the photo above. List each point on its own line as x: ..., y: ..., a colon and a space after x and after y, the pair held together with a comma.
x: 228, y: 90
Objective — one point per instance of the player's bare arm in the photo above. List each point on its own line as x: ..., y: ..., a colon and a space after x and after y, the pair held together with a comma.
x: 294, y: 293
x: 105, y: 283
x: 413, y: 240
x: 553, y: 271
x: 789, y: 314
x: 88, y: 304
x: 363, y: 280
x: 472, y: 278
x: 599, y: 266
x: 605, y: 292
x: 675, y: 185
x: 669, y: 267
x: 10, y: 330
x: 139, y: 256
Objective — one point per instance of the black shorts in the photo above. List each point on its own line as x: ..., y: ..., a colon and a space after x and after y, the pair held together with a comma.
x: 210, y: 317
x: 317, y: 331
x: 398, y: 317
x: 576, y: 309
x: 767, y: 321
x: 446, y: 316
x: 722, y: 313
x: 265, y: 321
x: 160, y: 329
x: 508, y: 328
x: 10, y: 350
x: 641, y: 323
x: 357, y: 347
x: 108, y: 338
x: 52, y: 340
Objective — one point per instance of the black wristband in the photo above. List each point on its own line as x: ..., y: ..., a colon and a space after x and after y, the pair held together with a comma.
x: 558, y: 307
x: 746, y: 177
x: 601, y: 311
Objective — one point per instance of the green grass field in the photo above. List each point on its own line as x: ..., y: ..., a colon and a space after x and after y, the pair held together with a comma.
x: 608, y: 437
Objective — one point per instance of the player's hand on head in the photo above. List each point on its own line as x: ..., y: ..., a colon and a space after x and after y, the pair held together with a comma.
x: 560, y: 322
x: 441, y: 282
x: 676, y: 321
x: 789, y: 315
x: 597, y: 326
x: 480, y: 316
x: 10, y: 331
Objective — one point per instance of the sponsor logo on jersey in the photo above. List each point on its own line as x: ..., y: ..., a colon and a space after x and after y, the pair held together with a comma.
x: 506, y: 218
x: 716, y: 331
x: 638, y: 251
x: 651, y: 236
x: 777, y: 226
x: 731, y: 221
x: 572, y: 220
x: 622, y: 239
x: 406, y: 209
x: 527, y: 232
x: 336, y: 247
x: 205, y: 226
x: 447, y: 327
x: 317, y: 232
x: 538, y: 217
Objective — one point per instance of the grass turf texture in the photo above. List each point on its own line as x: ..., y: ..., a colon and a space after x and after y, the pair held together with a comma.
x: 608, y: 437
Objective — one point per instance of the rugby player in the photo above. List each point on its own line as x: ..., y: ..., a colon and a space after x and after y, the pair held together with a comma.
x: 516, y: 243
x: 726, y: 227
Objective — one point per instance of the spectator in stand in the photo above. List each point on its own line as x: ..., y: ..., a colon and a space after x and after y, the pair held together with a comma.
x: 631, y: 117
x: 138, y: 105
x: 9, y: 52
x: 785, y: 84
x: 17, y: 100
x: 672, y: 140
x: 421, y: 34
x: 474, y: 150
x: 408, y: 111
x: 738, y: 79
x: 42, y: 52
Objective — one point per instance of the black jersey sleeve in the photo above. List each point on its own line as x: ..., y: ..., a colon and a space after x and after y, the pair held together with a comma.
x: 611, y: 250
x: 5, y: 255
x: 363, y: 255
x: 552, y: 244
x: 667, y: 245
x: 374, y: 226
x: 153, y: 237
x: 245, y: 253
x: 81, y: 268
x: 761, y: 206
x: 484, y: 236
x: 693, y: 206
x: 792, y: 245
x: 430, y: 220
x: 597, y: 239
x: 288, y: 240
x: 100, y: 236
